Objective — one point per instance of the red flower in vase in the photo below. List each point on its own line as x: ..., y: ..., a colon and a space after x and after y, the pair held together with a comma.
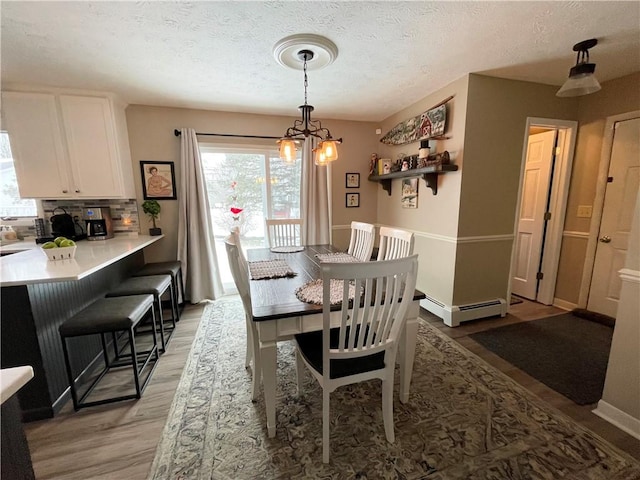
x: 236, y: 212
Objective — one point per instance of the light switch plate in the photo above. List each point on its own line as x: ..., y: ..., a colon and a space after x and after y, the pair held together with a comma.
x: 585, y: 211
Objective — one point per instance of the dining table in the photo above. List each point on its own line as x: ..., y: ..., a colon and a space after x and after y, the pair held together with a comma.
x: 279, y: 315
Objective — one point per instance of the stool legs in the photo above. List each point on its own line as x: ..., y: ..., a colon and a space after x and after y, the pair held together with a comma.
x: 152, y: 354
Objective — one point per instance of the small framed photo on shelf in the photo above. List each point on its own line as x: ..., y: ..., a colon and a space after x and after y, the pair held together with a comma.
x: 353, y: 180
x: 158, y: 180
x: 353, y: 200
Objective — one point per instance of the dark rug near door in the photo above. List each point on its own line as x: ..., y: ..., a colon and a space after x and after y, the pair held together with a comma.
x: 565, y: 352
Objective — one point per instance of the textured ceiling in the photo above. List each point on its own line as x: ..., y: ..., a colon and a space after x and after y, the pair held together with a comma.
x: 218, y: 55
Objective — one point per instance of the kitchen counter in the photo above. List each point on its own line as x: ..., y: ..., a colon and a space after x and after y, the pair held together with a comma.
x: 32, y: 266
x: 17, y: 246
x: 16, y: 458
x: 39, y: 295
x: 12, y: 380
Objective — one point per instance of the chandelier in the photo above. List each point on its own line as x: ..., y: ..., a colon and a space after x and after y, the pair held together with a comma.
x: 326, y: 150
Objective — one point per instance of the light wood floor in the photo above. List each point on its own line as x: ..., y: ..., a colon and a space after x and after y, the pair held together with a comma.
x: 118, y: 441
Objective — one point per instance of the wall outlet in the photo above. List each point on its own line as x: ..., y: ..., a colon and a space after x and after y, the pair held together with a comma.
x: 585, y: 211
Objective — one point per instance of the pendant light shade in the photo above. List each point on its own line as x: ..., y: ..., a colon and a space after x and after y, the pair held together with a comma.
x: 287, y: 149
x: 582, y: 80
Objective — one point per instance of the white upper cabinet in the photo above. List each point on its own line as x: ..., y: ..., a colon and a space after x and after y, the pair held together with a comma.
x: 68, y: 146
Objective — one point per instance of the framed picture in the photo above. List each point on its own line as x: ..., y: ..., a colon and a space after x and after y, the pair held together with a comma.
x: 158, y: 180
x: 409, y: 197
x: 353, y: 200
x: 353, y: 180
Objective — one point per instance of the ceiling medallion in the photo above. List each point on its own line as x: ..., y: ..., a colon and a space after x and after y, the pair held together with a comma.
x: 286, y: 51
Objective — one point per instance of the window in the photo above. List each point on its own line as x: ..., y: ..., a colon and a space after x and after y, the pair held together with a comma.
x: 11, y: 205
x: 255, y: 180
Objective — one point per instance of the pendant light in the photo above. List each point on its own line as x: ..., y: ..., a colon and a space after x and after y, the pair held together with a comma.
x: 582, y: 80
x: 302, y: 47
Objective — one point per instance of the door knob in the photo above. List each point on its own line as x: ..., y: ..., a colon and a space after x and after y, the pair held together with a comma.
x: 605, y: 239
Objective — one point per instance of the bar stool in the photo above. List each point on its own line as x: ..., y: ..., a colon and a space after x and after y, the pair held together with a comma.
x: 155, y: 285
x: 108, y: 315
x: 173, y: 268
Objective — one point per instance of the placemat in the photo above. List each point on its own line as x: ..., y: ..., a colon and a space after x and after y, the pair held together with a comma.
x: 337, y: 257
x: 264, y: 269
x: 287, y: 249
x: 311, y: 292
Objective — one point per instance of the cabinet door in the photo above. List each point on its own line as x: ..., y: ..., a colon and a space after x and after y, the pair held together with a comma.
x: 31, y: 120
x: 92, y: 144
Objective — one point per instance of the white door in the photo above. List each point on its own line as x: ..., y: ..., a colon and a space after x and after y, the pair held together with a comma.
x: 531, y: 218
x: 617, y: 215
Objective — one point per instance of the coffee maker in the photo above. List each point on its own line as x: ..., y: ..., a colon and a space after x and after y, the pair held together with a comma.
x: 99, y: 223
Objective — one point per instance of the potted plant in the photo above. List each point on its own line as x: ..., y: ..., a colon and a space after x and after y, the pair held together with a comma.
x: 152, y: 208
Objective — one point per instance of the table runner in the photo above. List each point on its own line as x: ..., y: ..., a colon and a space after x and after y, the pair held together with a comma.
x: 265, y: 269
x: 337, y: 257
x: 287, y: 249
x: 311, y: 292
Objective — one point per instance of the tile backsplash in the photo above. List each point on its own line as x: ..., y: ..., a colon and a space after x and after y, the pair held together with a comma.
x: 124, y: 212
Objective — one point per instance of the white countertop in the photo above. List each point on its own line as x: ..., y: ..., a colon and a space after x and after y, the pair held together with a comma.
x: 19, y: 246
x: 33, y: 266
x: 12, y: 380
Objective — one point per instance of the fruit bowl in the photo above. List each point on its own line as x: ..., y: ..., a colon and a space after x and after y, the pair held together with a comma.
x: 60, y: 253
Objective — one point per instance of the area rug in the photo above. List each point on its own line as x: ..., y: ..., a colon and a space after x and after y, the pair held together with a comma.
x: 464, y: 420
x: 565, y: 352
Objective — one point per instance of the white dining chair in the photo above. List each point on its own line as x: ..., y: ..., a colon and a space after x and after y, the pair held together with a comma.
x: 361, y: 242
x: 365, y: 343
x: 394, y: 243
x: 284, y: 232
x: 240, y: 273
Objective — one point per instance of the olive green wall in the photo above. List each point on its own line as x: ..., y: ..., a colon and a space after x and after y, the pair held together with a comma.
x: 495, y: 134
x: 151, y: 137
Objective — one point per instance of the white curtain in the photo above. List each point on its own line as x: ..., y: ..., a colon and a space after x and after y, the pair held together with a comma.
x: 196, y: 248
x: 314, y: 200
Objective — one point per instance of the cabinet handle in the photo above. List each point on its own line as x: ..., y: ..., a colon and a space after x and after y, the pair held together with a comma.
x: 65, y: 191
x: 77, y: 191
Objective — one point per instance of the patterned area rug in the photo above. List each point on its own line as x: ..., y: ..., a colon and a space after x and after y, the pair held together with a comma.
x: 464, y: 420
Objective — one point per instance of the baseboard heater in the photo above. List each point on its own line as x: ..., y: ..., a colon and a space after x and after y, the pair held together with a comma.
x: 453, y: 315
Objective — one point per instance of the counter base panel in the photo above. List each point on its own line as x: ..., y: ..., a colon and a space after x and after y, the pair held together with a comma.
x: 31, y: 316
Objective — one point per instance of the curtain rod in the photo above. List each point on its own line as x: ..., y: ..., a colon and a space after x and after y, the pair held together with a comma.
x: 177, y: 133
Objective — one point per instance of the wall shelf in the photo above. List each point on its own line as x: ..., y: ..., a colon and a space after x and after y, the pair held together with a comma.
x: 429, y: 174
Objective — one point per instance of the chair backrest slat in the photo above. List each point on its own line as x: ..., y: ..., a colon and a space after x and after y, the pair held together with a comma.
x: 372, y: 321
x: 361, y: 241
x: 284, y: 232
x: 394, y: 243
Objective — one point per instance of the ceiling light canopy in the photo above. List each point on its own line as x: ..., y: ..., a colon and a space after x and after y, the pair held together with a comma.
x: 582, y: 80
x: 300, y: 51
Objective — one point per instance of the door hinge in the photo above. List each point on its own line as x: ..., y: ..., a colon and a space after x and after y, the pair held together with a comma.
x: 609, y: 179
x: 539, y: 276
x: 547, y: 215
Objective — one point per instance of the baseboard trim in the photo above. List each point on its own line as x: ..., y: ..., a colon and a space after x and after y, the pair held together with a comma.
x: 618, y: 418
x: 565, y: 305
x: 453, y: 315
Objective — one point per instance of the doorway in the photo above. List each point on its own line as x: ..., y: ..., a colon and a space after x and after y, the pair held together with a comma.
x: 544, y: 187
x: 617, y: 188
